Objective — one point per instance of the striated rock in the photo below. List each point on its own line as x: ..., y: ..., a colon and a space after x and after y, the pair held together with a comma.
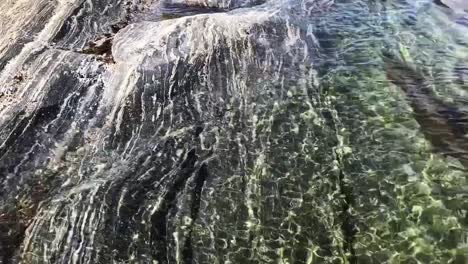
x: 22, y: 15
x: 215, y: 132
x: 456, y: 5
x: 130, y: 153
x: 174, y: 8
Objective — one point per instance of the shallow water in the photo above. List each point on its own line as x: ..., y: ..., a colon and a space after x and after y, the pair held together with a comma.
x: 185, y: 131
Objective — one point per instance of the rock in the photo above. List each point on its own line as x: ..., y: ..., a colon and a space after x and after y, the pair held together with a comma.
x: 209, y: 4
x: 231, y: 132
x: 459, y: 6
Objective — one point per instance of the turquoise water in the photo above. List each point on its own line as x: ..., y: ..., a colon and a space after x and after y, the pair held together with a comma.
x: 397, y: 82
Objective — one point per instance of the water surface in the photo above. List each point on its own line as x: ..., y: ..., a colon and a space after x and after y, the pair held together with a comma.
x: 278, y: 131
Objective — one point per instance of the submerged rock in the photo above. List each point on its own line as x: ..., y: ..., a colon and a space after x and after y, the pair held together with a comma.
x: 221, y: 5
x: 456, y: 5
x: 231, y: 132
x: 444, y: 125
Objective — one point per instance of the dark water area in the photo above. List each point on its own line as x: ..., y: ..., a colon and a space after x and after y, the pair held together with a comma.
x: 233, y: 131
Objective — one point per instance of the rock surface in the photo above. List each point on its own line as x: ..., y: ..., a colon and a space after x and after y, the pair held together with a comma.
x: 457, y: 5
x: 232, y: 132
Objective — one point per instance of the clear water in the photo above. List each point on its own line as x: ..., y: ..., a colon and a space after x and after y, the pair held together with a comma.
x: 234, y: 132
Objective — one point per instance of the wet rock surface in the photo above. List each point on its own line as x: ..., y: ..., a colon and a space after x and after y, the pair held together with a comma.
x: 456, y: 5
x: 225, y: 132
